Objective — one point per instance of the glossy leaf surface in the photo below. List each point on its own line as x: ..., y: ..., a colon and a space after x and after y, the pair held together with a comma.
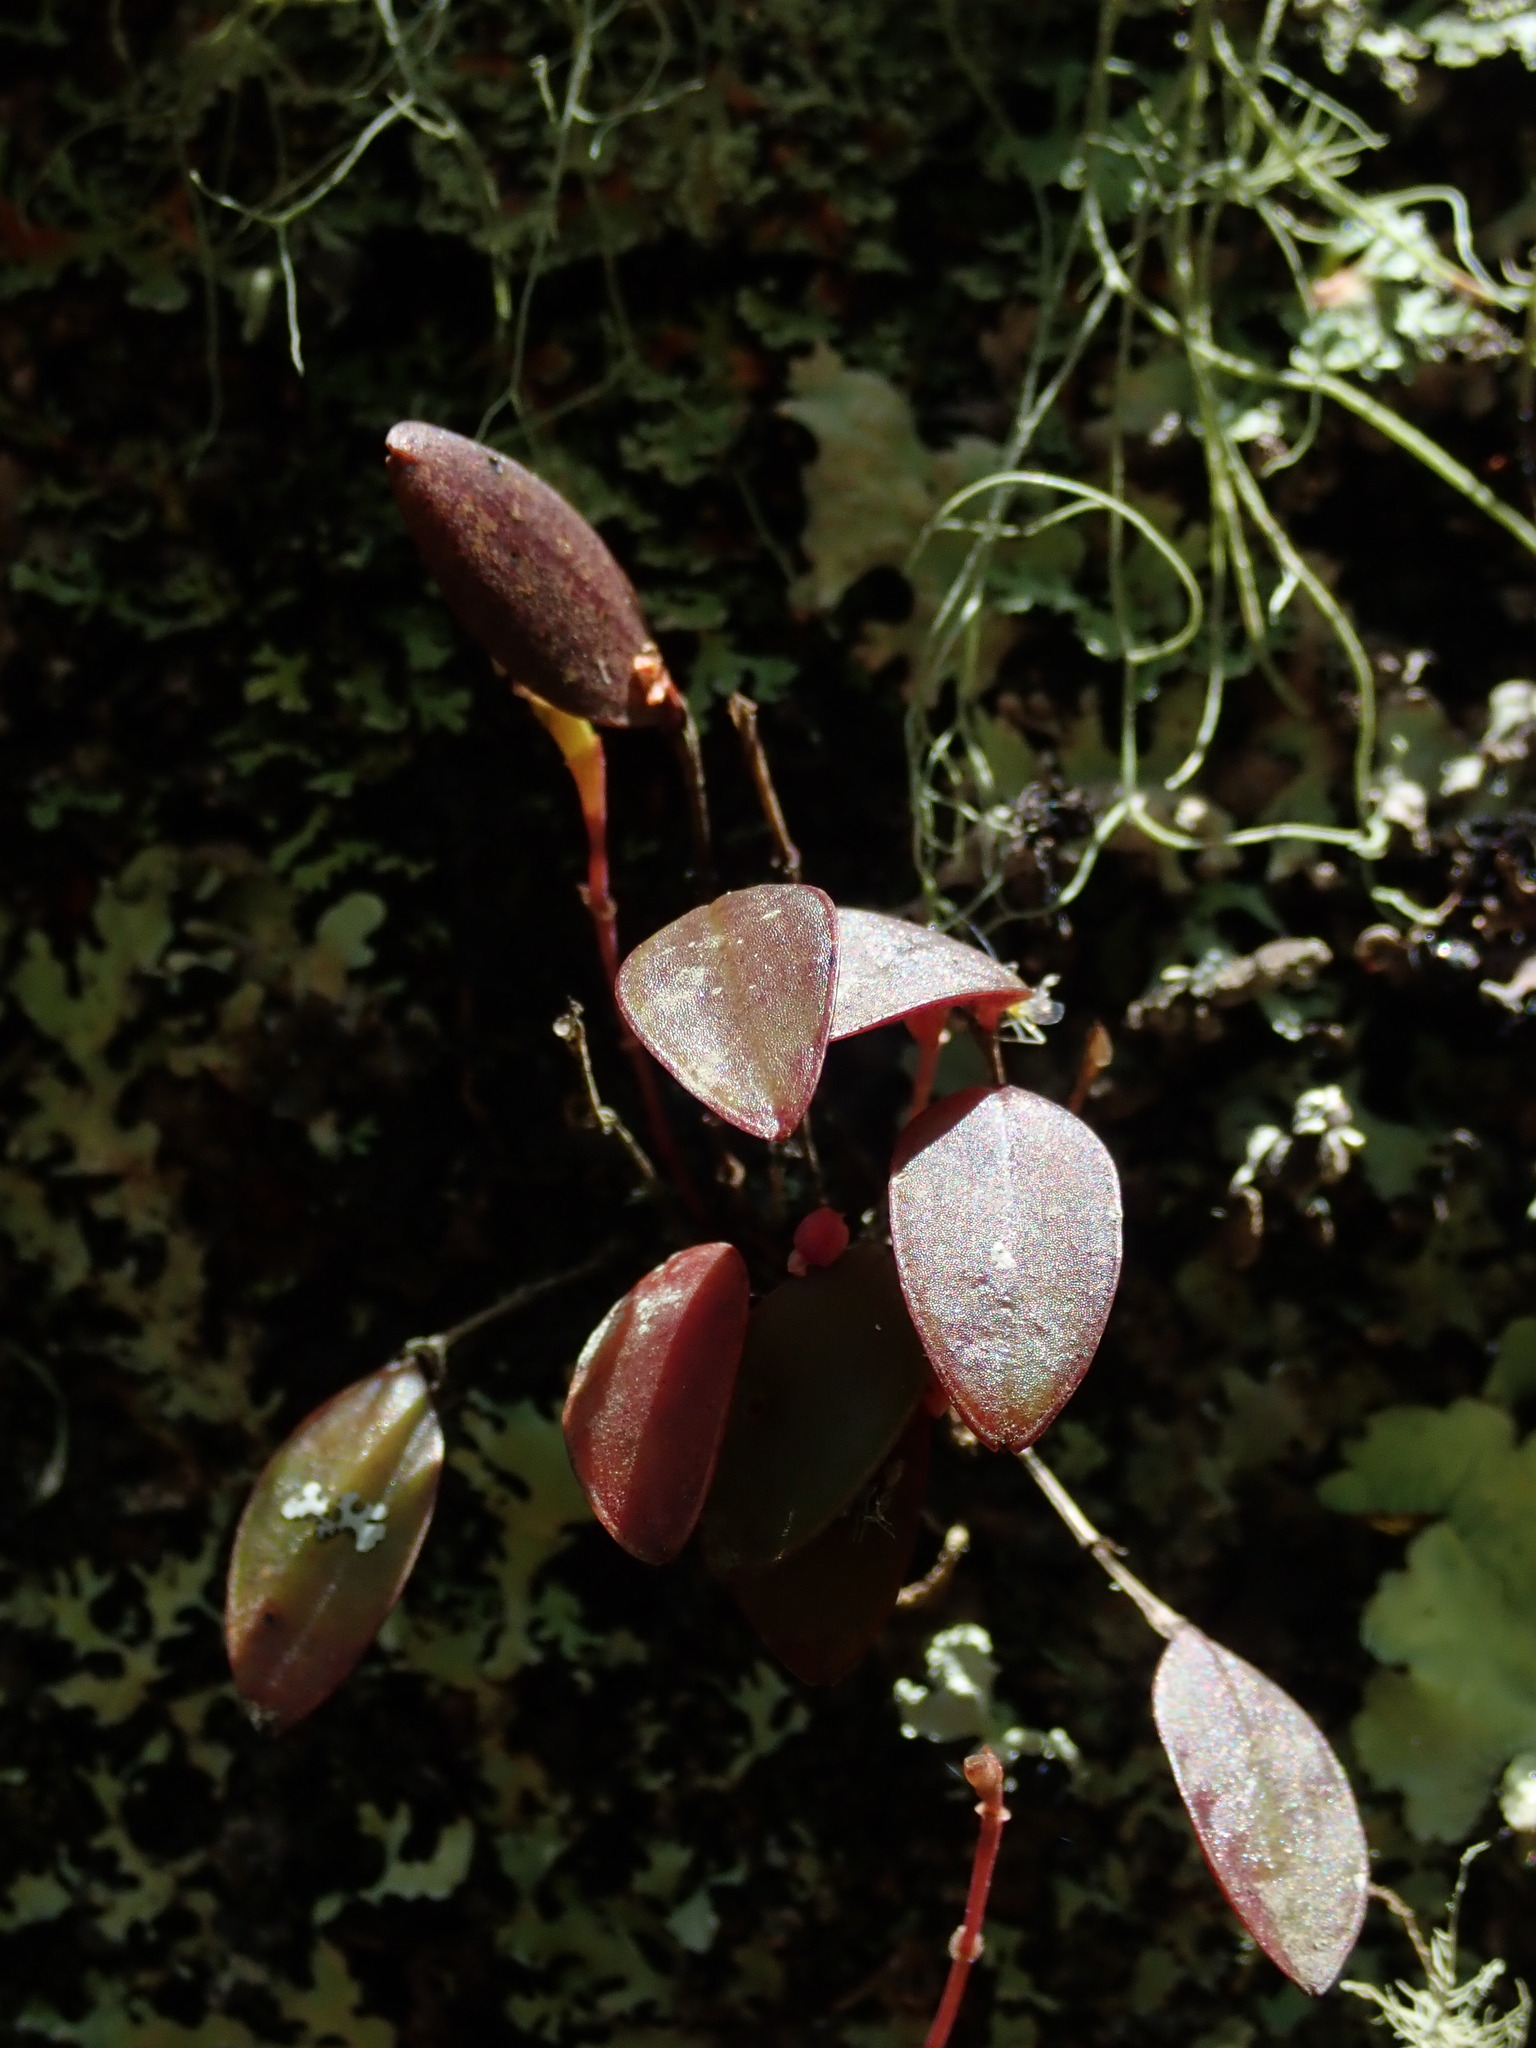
x: 1270, y: 1804
x: 821, y: 1608
x: 830, y: 1376
x: 526, y: 576
x: 1005, y: 1217
x: 888, y: 968
x: 735, y: 1000
x: 327, y: 1542
x: 647, y: 1407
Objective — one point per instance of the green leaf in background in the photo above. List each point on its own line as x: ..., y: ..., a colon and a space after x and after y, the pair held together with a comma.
x: 1458, y: 1623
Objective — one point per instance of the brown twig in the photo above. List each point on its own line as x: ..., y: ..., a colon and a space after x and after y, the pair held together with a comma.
x: 684, y: 735
x: 744, y: 717
x: 984, y: 1775
x: 569, y: 1027
x: 921, y: 1592
x: 431, y: 1353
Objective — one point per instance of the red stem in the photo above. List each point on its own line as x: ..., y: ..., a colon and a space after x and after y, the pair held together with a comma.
x: 581, y: 748
x: 984, y: 1774
x: 927, y: 1027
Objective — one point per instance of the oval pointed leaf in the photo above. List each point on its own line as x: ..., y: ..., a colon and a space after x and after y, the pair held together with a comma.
x: 1005, y: 1218
x: 1270, y: 1804
x: 526, y: 575
x: 821, y: 1608
x: 830, y: 1376
x: 647, y: 1407
x: 889, y: 969
x: 735, y: 1000
x: 327, y: 1542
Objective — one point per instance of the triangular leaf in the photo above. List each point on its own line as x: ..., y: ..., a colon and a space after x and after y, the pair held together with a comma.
x: 647, y: 1407
x: 327, y: 1542
x: 1270, y: 1804
x: 888, y: 968
x: 735, y: 1000
x: 526, y: 576
x: 1005, y: 1218
x: 819, y: 1609
x: 830, y: 1376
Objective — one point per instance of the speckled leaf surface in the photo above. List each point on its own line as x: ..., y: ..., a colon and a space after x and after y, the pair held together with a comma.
x: 525, y: 574
x: 830, y: 1376
x: 820, y: 1609
x: 1270, y: 1804
x: 888, y: 968
x: 735, y: 1000
x: 1005, y: 1218
x: 648, y: 1403
x: 327, y: 1542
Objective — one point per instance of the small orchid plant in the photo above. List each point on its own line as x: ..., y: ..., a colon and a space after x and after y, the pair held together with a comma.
x: 790, y: 1435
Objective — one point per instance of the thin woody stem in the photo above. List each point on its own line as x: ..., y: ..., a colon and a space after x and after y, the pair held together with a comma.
x: 984, y: 1775
x: 432, y: 1352
x: 1165, y: 1619
x: 570, y: 1028
x: 744, y: 717
x: 936, y: 1580
x: 684, y: 735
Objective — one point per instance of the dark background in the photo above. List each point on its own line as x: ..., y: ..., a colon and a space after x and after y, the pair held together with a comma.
x: 250, y: 1151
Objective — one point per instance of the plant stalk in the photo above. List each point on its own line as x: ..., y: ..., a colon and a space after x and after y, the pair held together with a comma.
x: 984, y: 1775
x: 1157, y: 1613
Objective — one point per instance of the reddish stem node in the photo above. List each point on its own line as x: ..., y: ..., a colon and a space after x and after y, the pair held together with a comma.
x: 984, y: 1775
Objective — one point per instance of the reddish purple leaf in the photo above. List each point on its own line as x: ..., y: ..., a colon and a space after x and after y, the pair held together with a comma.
x: 647, y: 1407
x: 327, y: 1542
x: 831, y: 1373
x: 888, y: 969
x: 1005, y: 1219
x: 822, y: 1606
x: 527, y: 576
x: 735, y: 1000
x: 1270, y: 1804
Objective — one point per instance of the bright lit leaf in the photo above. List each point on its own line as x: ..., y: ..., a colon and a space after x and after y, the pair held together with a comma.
x: 1005, y: 1217
x: 327, y: 1542
x: 889, y: 969
x: 1270, y: 1804
x: 830, y: 1376
x: 527, y: 576
x: 821, y: 1608
x: 735, y: 1000
x: 647, y: 1407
